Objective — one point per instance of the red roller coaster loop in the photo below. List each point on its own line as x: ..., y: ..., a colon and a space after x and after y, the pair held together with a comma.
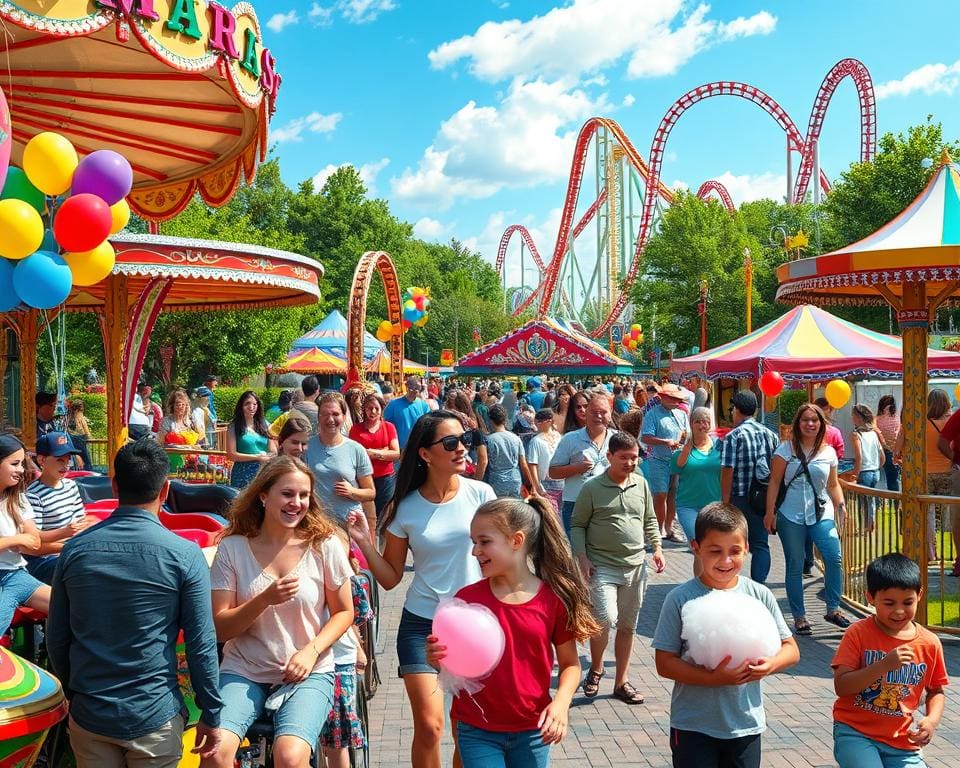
x: 651, y: 171
x: 715, y: 186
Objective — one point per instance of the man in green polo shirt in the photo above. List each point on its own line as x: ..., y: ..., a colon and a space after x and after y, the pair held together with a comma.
x: 613, y: 521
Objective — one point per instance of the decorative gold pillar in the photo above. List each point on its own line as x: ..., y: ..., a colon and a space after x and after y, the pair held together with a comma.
x: 113, y: 327
x: 28, y: 335
x: 913, y: 317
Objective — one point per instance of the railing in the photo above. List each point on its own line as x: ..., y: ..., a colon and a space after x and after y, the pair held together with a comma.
x: 97, y: 450
x: 862, y: 542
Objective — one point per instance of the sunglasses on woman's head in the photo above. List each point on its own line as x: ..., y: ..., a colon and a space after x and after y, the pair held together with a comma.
x: 449, y: 442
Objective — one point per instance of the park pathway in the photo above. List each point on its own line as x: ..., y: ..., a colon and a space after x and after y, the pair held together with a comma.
x: 607, y: 732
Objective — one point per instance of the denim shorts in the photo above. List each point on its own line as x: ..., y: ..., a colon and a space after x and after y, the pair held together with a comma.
x: 852, y: 749
x: 412, y: 644
x: 302, y: 713
x: 480, y: 748
x: 16, y: 587
x: 657, y: 472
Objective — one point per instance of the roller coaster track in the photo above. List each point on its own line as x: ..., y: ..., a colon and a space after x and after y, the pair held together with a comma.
x: 650, y: 171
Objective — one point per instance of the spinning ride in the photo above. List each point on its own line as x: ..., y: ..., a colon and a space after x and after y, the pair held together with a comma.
x: 630, y: 194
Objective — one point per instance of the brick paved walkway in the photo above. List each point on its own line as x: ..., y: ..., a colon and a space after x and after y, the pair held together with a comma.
x: 606, y: 732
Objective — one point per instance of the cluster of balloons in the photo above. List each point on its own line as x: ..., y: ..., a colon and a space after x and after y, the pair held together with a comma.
x: 474, y: 640
x: 416, y: 307
x: 41, y: 264
x: 633, y: 338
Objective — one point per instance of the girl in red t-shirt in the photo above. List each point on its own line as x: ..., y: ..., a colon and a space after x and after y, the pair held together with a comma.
x: 541, y: 611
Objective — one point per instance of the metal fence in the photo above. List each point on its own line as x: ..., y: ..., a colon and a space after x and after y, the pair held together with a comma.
x: 874, y: 527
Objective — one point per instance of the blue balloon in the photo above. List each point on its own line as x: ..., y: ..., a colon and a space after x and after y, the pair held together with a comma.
x: 42, y: 280
x: 8, y: 297
x: 411, y: 314
x: 49, y: 243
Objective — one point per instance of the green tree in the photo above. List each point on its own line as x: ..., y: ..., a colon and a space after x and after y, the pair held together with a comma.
x: 697, y: 240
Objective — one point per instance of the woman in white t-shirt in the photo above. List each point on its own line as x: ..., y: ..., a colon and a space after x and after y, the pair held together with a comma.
x: 281, y: 599
x: 18, y: 533
x: 429, y: 517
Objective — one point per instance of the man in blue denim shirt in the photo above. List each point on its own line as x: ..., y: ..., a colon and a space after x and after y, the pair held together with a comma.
x: 122, y: 591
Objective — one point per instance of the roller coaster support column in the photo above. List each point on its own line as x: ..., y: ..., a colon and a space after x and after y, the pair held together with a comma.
x: 789, y: 196
x: 816, y: 170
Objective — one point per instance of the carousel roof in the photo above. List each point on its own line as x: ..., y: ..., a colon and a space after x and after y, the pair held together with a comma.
x: 183, y: 90
x: 207, y: 274
x: 810, y: 344
x: 921, y: 244
x: 549, y: 345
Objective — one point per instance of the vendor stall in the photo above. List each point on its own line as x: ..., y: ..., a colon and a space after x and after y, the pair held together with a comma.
x: 547, y: 346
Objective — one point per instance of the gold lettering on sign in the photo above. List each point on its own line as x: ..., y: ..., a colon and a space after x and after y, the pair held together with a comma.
x: 190, y: 256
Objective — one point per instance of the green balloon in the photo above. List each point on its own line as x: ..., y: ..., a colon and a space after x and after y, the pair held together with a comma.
x: 18, y: 187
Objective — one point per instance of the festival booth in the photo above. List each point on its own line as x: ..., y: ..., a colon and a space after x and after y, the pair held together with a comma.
x: 548, y: 346
x: 380, y: 363
x: 184, y: 92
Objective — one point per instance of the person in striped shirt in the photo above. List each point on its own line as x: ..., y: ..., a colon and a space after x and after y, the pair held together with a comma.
x: 56, y: 501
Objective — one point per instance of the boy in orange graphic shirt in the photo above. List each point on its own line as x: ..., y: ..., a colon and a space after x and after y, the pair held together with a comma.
x: 880, y: 672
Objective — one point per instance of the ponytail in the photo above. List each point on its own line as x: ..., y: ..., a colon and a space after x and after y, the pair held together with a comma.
x: 549, y: 550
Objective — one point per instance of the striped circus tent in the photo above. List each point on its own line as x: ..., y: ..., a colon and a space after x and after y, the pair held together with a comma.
x: 380, y: 363
x: 810, y: 344
x: 315, y: 361
x: 330, y: 335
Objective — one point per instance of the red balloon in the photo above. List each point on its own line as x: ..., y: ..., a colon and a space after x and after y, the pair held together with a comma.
x: 420, y: 301
x: 406, y: 324
x: 82, y: 223
x: 771, y: 383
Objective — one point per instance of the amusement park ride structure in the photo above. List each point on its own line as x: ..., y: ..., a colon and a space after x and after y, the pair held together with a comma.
x: 630, y: 195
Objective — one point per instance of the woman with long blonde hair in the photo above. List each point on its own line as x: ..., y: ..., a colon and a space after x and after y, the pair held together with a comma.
x: 281, y: 598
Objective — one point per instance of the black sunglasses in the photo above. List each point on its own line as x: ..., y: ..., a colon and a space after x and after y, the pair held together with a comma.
x: 449, y: 442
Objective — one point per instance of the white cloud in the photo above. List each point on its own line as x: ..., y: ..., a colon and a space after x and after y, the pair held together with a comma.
x: 929, y: 79
x: 527, y: 140
x: 320, y: 15
x: 746, y: 188
x: 487, y: 241
x: 368, y: 173
x: 314, y: 123
x: 629, y: 100
x: 429, y: 229
x: 579, y: 38
x: 279, y: 21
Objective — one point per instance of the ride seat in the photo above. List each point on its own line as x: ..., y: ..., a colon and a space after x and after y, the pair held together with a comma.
x: 95, y: 488
x: 200, y: 538
x: 194, y: 520
x: 207, y: 498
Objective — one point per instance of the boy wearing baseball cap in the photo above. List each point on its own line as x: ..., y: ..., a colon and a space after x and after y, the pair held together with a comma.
x: 56, y: 501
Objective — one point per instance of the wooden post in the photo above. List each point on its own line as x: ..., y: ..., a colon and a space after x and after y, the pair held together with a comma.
x: 29, y: 328
x: 913, y: 318
x: 113, y: 327
x: 4, y: 351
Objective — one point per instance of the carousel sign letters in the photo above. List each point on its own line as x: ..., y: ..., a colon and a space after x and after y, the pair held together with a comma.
x: 222, y: 24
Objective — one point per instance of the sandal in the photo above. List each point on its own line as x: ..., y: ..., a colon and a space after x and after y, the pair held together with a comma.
x: 591, y: 683
x: 628, y: 694
x: 838, y: 619
x: 802, y: 627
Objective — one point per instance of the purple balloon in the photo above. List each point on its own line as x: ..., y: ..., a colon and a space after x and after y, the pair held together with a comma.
x: 104, y: 173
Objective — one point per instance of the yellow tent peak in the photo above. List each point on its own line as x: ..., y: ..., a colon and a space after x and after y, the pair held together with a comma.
x: 945, y: 158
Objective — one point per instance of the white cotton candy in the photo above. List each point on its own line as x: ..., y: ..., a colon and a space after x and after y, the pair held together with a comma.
x: 723, y: 624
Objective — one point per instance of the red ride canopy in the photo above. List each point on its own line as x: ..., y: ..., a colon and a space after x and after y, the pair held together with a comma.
x: 809, y: 344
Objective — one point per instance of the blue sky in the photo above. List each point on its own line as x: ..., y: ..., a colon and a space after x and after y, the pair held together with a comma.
x: 463, y: 114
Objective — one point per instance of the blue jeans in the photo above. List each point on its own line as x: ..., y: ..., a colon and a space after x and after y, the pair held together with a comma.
x: 757, y: 538
x: 891, y: 471
x: 824, y: 535
x: 687, y: 517
x: 384, y: 486
x: 869, y: 478
x: 493, y: 749
x: 852, y: 749
x: 566, y: 512
x: 42, y: 568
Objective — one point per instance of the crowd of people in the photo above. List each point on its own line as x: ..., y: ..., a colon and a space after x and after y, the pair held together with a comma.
x: 550, y: 507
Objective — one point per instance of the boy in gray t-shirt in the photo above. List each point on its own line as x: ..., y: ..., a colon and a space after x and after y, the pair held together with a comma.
x: 716, y: 716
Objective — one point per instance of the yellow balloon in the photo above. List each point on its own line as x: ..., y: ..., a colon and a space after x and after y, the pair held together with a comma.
x: 417, y: 292
x: 49, y: 161
x: 837, y: 393
x: 189, y: 759
x: 120, y: 214
x: 90, y: 267
x: 21, y: 229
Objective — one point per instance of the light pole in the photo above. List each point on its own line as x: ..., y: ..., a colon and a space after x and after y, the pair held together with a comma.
x: 748, y: 278
x: 704, y: 296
